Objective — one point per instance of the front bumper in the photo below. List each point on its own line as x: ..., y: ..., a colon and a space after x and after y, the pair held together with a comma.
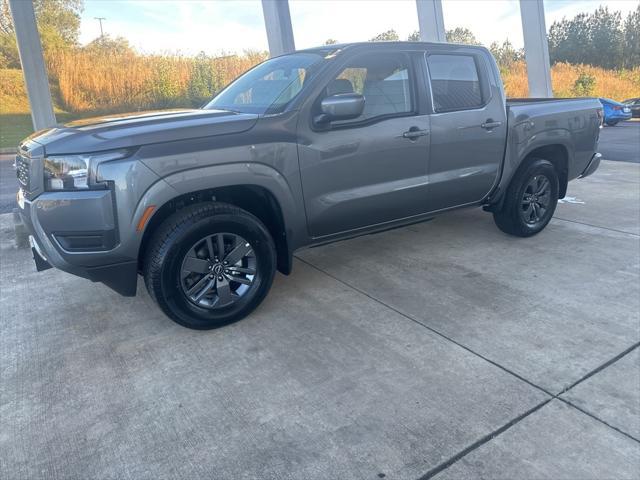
x: 592, y: 166
x: 76, y: 232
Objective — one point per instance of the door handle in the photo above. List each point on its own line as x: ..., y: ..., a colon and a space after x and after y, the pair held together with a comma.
x: 414, y: 133
x: 488, y: 125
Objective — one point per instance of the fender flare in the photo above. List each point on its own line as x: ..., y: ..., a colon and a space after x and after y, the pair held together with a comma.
x: 225, y: 175
x: 516, y: 153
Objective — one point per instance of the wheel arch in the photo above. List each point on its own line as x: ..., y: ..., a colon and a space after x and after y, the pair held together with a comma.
x: 255, y: 199
x: 256, y: 187
x: 558, y: 155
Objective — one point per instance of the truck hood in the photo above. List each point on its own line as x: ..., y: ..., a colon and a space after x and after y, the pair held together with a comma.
x: 135, y: 129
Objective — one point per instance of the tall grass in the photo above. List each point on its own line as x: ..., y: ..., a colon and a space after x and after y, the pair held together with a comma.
x: 616, y: 84
x: 88, y: 82
x: 102, y: 81
x: 13, y: 95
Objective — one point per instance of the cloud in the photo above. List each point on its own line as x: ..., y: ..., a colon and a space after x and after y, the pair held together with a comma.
x: 179, y: 26
x: 216, y: 26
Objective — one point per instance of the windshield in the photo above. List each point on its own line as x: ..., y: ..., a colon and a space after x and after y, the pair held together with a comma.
x: 270, y: 86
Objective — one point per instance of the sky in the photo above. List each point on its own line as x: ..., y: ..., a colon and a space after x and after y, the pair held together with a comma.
x: 232, y: 26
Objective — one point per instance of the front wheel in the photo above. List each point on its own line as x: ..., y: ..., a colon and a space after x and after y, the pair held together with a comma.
x: 612, y: 123
x: 530, y: 200
x: 209, y: 265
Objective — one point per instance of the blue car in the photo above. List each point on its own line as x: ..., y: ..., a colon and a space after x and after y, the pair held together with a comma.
x: 614, y: 112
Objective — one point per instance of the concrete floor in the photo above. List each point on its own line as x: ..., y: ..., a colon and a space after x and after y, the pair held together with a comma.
x: 445, y: 349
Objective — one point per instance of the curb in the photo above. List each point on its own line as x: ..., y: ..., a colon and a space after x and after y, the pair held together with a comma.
x: 4, y: 151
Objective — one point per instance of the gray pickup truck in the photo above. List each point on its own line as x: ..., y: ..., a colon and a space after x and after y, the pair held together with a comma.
x: 304, y: 149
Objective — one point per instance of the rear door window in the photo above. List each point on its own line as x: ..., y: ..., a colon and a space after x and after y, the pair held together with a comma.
x: 455, y: 82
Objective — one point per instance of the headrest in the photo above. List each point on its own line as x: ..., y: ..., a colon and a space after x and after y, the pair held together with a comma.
x: 339, y: 85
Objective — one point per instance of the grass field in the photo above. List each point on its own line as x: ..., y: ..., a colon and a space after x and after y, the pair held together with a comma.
x: 89, y: 84
x: 13, y: 128
x: 15, y: 119
x: 16, y: 126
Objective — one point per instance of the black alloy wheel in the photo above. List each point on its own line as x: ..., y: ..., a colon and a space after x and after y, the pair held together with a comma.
x: 218, y: 270
x: 209, y: 265
x: 536, y: 199
x: 530, y: 199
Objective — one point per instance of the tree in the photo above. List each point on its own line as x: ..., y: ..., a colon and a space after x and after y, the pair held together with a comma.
x: 414, y: 36
x: 594, y: 39
x: 584, y: 85
x: 631, y: 47
x: 330, y: 41
x: 457, y: 35
x: 58, y: 24
x: 106, y: 44
x: 505, y: 54
x: 462, y: 35
x: 389, y: 35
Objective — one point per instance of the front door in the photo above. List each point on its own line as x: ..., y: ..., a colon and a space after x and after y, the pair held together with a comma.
x: 372, y: 169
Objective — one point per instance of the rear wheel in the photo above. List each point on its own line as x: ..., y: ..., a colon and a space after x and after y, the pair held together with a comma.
x: 209, y: 265
x: 530, y: 200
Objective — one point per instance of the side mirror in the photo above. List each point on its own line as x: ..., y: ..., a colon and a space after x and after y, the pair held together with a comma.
x: 343, y: 106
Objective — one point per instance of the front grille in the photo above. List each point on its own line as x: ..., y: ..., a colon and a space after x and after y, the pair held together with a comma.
x: 22, y: 171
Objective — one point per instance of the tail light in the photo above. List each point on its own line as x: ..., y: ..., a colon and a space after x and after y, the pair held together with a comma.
x: 617, y: 107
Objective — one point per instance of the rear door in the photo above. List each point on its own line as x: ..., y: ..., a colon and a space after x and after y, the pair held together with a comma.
x: 372, y: 169
x: 468, y: 127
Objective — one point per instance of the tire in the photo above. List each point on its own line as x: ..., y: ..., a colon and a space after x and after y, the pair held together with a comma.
x: 184, y: 268
x: 522, y: 196
x: 612, y: 123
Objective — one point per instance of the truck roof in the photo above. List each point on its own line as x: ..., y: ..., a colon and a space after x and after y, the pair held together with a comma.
x: 326, y: 49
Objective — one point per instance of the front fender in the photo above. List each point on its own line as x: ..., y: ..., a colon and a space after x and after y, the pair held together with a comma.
x: 226, y: 175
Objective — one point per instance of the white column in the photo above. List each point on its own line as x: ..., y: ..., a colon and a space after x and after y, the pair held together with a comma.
x: 32, y: 61
x: 431, y: 21
x: 277, y: 21
x: 536, y: 48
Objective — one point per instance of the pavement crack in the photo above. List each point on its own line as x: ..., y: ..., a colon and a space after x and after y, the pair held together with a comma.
x: 596, y: 226
x: 442, y: 466
x: 589, y: 414
x: 431, y: 329
x: 600, y: 368
x: 446, y: 464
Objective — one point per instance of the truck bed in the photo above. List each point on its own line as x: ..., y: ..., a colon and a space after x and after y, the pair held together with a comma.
x: 546, y: 100
x: 570, y: 123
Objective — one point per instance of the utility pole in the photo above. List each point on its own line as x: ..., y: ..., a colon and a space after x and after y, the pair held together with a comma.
x: 32, y: 61
x: 100, y: 19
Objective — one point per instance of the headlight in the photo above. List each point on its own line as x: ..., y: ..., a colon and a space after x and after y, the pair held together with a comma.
x: 72, y: 172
